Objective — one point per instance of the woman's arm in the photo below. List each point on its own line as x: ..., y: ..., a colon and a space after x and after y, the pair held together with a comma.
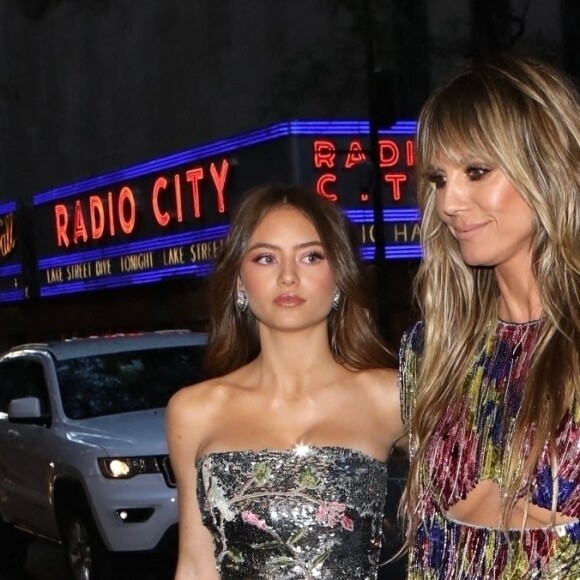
x: 185, y: 431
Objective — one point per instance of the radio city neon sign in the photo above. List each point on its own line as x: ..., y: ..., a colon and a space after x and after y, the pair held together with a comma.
x: 100, y: 216
x: 327, y: 157
x: 175, y: 196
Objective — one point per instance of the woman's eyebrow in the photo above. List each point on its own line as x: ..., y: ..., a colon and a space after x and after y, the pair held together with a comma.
x: 275, y: 247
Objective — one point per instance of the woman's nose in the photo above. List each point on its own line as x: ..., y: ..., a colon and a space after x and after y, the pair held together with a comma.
x: 288, y: 273
x: 452, y: 196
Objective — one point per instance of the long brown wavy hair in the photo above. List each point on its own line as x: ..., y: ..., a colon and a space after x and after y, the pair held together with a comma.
x: 523, y: 116
x: 233, y: 336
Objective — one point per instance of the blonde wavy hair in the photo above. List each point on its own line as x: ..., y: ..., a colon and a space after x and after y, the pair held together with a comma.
x: 524, y: 117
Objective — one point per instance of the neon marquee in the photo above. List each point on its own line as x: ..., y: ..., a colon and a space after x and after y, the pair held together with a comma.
x: 167, y: 217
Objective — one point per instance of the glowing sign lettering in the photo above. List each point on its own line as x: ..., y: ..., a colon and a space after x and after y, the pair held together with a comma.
x: 395, y: 157
x: 395, y: 180
x: 219, y: 179
x: 137, y: 262
x: 194, y: 176
x: 399, y: 233
x: 122, y: 213
x: 7, y: 239
x: 164, y: 258
x: 204, y: 251
x: 388, y: 153
x: 173, y: 256
x: 324, y: 154
x: 54, y: 275
x: 79, y: 271
x: 99, y: 216
x: 164, y: 217
x: 79, y: 231
x: 321, y: 186
x: 103, y: 268
x: 355, y: 154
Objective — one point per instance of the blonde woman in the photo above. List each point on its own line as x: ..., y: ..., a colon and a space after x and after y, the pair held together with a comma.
x: 490, y: 378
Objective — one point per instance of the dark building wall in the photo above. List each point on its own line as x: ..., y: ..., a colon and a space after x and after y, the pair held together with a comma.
x: 90, y: 86
x: 461, y: 29
x: 570, y: 20
x: 176, y: 304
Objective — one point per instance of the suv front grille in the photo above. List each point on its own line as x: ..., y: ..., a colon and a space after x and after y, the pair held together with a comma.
x: 167, y: 471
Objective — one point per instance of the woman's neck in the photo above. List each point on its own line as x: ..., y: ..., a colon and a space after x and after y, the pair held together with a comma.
x: 519, y: 297
x: 511, y: 309
x: 293, y: 359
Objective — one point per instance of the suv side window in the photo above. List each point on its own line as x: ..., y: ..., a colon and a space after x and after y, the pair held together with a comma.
x: 22, y: 378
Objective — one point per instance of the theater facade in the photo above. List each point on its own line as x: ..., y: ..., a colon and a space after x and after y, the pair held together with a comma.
x: 130, y: 249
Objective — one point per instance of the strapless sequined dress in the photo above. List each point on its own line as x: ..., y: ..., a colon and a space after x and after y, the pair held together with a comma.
x: 313, y: 512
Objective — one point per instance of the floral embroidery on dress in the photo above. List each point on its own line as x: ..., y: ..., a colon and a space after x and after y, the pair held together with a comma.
x: 278, y: 511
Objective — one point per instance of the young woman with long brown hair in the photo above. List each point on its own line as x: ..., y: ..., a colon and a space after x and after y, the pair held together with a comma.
x: 280, y: 457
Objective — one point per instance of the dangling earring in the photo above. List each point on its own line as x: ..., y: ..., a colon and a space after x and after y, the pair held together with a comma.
x: 241, y: 301
x: 336, y: 299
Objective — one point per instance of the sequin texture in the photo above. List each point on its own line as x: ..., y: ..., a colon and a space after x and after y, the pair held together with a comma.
x: 313, y: 514
x: 472, y: 444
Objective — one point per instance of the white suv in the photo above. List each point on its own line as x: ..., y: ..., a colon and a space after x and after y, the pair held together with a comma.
x: 83, y: 455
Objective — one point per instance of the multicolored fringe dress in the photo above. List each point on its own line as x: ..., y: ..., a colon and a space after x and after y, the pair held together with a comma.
x: 471, y: 445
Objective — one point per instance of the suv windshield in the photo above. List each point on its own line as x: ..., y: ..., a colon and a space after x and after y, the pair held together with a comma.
x: 123, y: 382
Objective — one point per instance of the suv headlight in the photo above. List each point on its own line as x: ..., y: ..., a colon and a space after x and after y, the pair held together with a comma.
x: 127, y: 467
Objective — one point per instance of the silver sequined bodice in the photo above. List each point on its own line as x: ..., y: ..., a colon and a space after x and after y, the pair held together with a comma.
x: 313, y: 512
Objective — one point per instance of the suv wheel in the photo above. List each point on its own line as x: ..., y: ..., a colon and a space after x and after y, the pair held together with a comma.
x: 87, y: 556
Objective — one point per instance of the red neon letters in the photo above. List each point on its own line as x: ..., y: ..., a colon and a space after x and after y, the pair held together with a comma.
x: 329, y: 157
x: 109, y: 213
x: 7, y: 239
x: 118, y: 213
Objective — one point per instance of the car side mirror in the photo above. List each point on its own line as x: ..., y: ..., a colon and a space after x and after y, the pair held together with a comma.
x: 26, y: 410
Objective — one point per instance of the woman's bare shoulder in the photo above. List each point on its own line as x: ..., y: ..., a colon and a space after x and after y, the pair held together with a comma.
x: 200, y: 397
x: 383, y: 380
x: 380, y: 386
x: 195, y: 412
